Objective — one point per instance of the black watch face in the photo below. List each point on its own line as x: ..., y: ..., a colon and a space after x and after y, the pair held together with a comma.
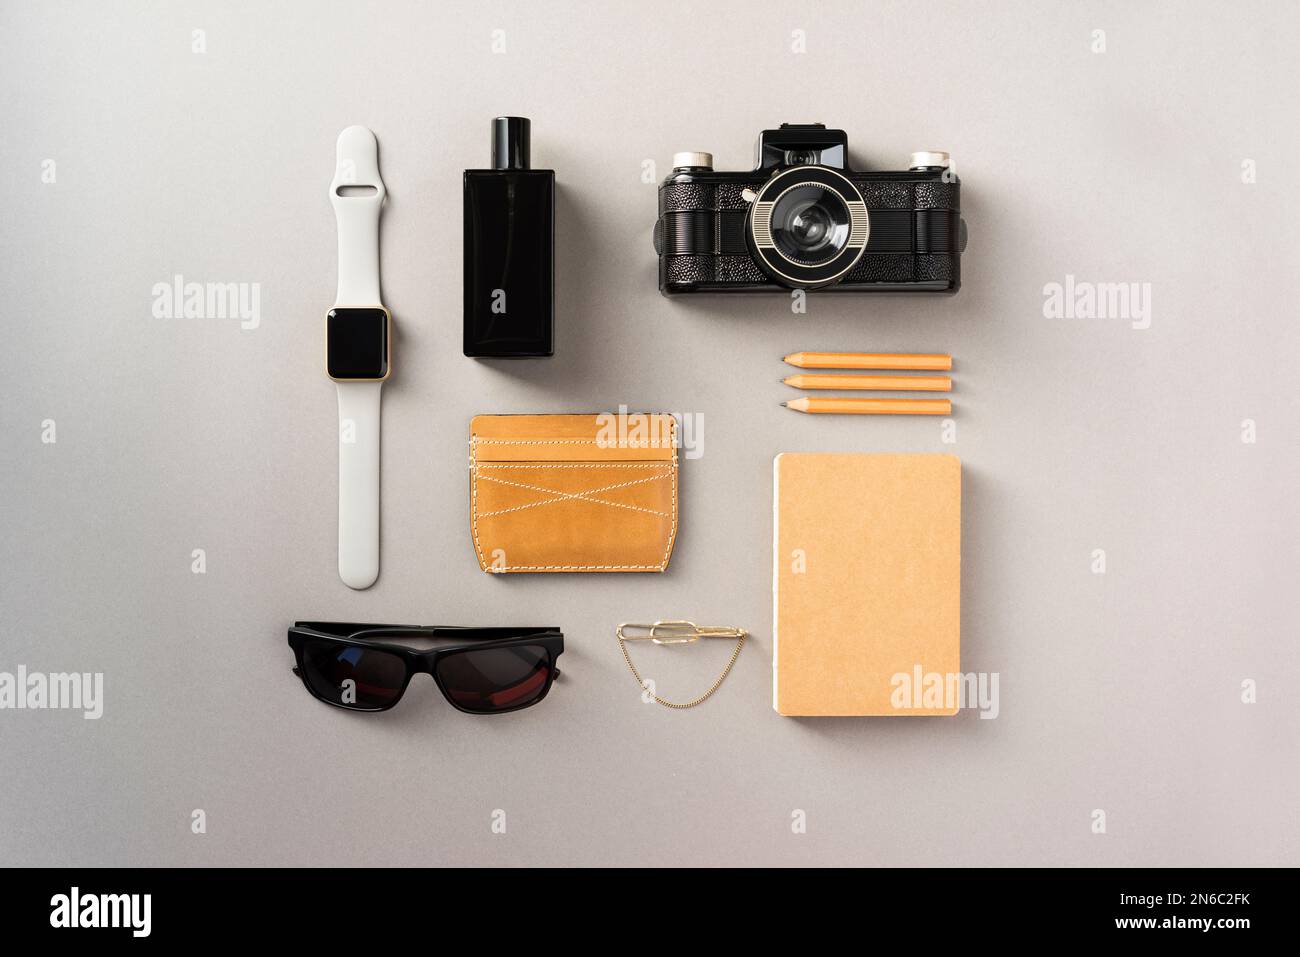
x: 357, y: 343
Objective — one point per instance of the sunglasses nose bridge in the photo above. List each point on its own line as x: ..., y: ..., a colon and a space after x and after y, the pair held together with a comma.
x: 423, y: 663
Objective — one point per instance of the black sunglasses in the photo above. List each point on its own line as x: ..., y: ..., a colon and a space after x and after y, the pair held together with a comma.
x: 484, y: 671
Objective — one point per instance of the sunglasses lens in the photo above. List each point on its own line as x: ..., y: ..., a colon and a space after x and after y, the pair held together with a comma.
x: 361, y: 678
x: 485, y: 680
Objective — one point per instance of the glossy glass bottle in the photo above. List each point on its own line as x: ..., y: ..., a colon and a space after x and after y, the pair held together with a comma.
x: 509, y: 250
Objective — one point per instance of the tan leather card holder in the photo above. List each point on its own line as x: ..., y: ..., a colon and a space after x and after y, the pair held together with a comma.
x: 573, y: 493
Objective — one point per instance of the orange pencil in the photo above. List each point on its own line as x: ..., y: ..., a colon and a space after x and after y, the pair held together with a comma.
x: 936, y: 362
x: 883, y: 383
x: 859, y: 406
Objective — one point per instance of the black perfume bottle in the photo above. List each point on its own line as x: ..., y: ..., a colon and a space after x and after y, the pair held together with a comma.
x: 509, y: 250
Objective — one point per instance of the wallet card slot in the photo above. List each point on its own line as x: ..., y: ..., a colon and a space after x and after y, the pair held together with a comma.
x: 562, y: 450
x: 573, y: 515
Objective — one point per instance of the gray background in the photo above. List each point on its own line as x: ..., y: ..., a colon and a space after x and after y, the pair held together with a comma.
x: 1118, y: 691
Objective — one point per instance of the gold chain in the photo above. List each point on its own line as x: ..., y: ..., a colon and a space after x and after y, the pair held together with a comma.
x: 674, y: 633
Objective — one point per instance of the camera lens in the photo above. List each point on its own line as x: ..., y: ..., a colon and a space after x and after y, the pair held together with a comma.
x: 807, y: 227
x: 810, y: 224
x: 810, y: 227
x: 802, y: 157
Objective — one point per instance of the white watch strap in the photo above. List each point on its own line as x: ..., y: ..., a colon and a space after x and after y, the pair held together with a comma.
x: 359, y: 482
x: 358, y: 193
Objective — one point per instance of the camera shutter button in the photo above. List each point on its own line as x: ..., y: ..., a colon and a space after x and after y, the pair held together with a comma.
x: 692, y: 161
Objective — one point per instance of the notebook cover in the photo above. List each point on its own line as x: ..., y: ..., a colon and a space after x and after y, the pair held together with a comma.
x: 866, y: 583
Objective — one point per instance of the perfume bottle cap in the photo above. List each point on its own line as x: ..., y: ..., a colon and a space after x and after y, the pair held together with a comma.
x: 510, y: 136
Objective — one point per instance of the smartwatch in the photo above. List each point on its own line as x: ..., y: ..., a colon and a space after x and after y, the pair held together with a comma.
x: 358, y: 337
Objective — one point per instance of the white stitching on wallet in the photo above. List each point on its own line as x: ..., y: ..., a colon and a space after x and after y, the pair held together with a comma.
x: 573, y: 465
x: 473, y: 503
x: 584, y: 495
x: 575, y: 568
x: 672, y: 532
x: 604, y: 445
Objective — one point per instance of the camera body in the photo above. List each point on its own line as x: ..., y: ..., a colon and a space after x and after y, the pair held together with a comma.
x: 804, y: 219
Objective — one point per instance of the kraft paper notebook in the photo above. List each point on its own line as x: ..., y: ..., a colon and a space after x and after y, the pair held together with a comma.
x: 866, y: 583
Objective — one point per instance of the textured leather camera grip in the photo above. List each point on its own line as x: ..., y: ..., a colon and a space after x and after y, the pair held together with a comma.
x: 573, y: 493
x: 915, y: 243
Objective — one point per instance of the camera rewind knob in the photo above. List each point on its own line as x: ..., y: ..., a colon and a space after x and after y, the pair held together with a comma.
x: 930, y: 159
x: 692, y: 161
